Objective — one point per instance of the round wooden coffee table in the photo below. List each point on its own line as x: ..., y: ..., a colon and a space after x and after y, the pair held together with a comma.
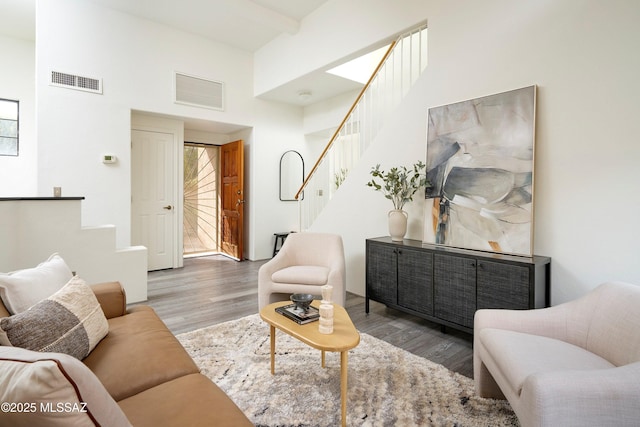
x: 344, y: 338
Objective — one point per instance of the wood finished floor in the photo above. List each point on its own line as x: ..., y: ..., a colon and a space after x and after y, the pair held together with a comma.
x: 214, y: 289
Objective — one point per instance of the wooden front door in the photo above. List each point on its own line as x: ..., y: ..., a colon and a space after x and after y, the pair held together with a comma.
x: 232, y: 166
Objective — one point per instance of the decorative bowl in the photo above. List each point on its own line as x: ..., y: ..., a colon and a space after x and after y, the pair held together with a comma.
x: 302, y: 301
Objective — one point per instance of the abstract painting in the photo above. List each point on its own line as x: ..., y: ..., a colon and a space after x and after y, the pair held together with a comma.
x: 480, y: 166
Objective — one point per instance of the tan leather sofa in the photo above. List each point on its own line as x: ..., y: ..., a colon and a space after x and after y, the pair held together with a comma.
x: 146, y: 371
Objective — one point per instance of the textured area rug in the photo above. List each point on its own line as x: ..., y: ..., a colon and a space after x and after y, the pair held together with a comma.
x: 387, y: 386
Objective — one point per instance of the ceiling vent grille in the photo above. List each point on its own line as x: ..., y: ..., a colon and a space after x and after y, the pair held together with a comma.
x: 199, y: 92
x: 71, y: 81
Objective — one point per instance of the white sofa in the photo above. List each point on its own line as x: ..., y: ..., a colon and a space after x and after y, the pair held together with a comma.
x: 305, y: 262
x: 574, y: 364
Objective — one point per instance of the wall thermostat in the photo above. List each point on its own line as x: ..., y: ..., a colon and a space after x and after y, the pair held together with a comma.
x: 109, y: 158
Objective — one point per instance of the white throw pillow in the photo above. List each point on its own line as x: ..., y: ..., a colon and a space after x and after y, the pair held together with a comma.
x: 53, y: 389
x: 21, y: 289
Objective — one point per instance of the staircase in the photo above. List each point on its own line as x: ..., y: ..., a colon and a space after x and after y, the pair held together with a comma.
x: 392, y: 79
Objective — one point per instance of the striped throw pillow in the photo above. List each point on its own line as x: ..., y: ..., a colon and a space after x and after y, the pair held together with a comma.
x: 70, y: 321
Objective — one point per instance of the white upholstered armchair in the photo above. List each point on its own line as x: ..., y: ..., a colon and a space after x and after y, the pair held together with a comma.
x: 305, y: 262
x: 574, y: 364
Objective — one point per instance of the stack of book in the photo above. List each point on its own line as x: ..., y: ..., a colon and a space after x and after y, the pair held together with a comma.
x: 297, y: 315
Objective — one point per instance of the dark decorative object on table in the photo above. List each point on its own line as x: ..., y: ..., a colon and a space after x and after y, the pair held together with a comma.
x: 302, y: 301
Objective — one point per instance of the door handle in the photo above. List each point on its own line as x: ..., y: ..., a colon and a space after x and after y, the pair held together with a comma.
x: 168, y: 207
x: 238, y: 202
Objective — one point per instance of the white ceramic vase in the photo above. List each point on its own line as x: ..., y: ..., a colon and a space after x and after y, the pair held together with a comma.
x: 397, y: 224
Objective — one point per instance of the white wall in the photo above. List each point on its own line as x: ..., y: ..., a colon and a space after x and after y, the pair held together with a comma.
x: 582, y: 56
x: 268, y: 214
x: 325, y: 116
x: 136, y: 60
x: 18, y: 174
x: 204, y: 137
x: 32, y: 230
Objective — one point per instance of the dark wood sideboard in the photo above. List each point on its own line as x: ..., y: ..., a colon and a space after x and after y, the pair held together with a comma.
x: 447, y: 285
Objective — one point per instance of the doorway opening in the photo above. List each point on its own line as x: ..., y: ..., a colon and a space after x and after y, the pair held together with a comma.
x: 201, y: 200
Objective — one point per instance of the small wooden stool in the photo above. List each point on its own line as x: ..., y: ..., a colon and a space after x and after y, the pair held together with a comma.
x: 282, y: 237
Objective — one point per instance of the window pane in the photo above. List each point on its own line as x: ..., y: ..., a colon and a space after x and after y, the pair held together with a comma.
x: 8, y: 127
x: 8, y: 146
x: 8, y: 109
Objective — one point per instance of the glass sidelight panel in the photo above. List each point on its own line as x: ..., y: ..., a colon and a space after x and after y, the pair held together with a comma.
x: 201, y: 204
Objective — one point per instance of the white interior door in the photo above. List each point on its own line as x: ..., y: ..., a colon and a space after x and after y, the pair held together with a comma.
x: 152, y: 196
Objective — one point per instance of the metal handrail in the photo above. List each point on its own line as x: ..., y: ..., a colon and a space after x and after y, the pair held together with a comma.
x: 396, y: 72
x: 344, y: 120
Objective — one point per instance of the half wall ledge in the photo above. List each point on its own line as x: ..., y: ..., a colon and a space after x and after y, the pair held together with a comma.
x: 32, y: 228
x: 9, y: 199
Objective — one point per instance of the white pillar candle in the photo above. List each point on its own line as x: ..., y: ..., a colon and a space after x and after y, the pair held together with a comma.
x: 325, y: 323
x: 326, y: 311
x: 327, y: 292
x: 325, y: 329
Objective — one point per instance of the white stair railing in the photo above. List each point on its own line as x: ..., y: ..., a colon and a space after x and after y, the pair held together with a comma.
x: 401, y: 66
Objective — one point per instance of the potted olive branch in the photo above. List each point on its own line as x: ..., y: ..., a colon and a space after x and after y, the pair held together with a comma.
x: 399, y: 185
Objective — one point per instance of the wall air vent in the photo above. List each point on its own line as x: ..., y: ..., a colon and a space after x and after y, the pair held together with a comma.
x: 71, y: 81
x: 199, y: 92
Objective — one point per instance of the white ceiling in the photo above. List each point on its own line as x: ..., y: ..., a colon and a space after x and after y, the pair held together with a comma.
x: 243, y: 24
x: 18, y: 18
